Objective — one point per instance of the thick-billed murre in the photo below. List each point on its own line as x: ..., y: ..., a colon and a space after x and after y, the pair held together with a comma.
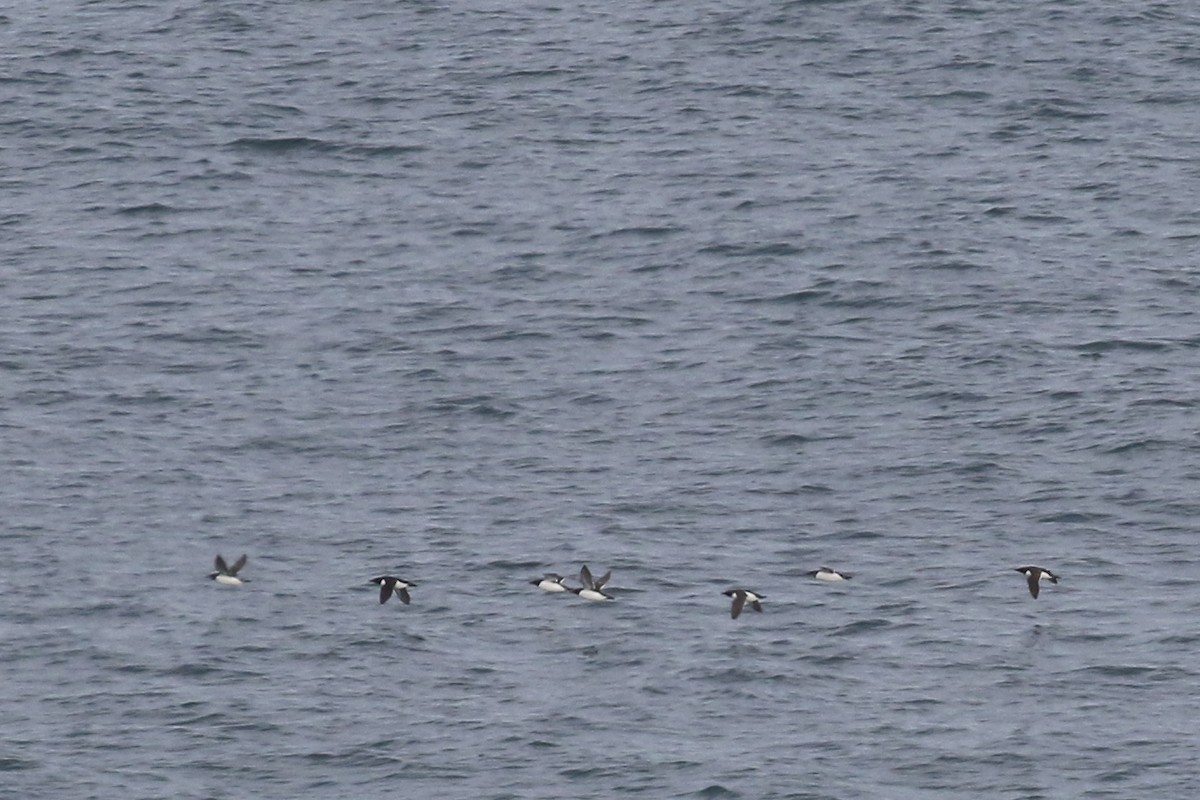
x: 226, y: 574
x: 740, y: 598
x: 827, y: 574
x: 591, y: 589
x: 390, y: 583
x: 1033, y: 576
x: 550, y: 582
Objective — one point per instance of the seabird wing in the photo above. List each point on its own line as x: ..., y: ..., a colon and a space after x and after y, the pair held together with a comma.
x: 404, y: 598
x: 757, y: 606
x: 585, y: 577
x: 1032, y: 578
x: 385, y: 591
x: 220, y: 565
x: 603, y: 580
x: 241, y: 562
x: 739, y: 600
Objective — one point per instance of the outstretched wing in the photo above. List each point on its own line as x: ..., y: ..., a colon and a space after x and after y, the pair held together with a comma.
x: 385, y: 591
x: 219, y: 563
x: 585, y: 577
x: 739, y: 600
x: 603, y: 580
x: 241, y: 562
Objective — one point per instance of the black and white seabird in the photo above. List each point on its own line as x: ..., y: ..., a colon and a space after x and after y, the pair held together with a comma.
x: 550, y: 582
x: 226, y: 574
x: 591, y: 589
x: 827, y: 574
x: 389, y: 584
x: 1033, y: 575
x: 740, y: 598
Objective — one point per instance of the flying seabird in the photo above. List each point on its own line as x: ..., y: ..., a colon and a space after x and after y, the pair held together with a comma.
x: 1033, y: 576
x: 550, y: 582
x: 591, y: 589
x: 389, y: 584
x: 827, y: 574
x: 226, y: 574
x: 740, y: 598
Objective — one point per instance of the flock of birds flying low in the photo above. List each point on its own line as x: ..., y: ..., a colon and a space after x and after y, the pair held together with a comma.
x: 593, y: 588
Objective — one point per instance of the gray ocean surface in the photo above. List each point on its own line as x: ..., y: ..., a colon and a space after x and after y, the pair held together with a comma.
x: 708, y: 294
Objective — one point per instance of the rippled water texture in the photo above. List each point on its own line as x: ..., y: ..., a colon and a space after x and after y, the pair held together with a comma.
x: 706, y: 294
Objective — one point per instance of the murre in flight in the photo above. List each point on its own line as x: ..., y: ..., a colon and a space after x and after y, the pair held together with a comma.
x: 390, y: 583
x: 226, y: 574
x: 592, y: 589
x: 740, y: 598
x: 827, y: 574
x: 1033, y: 575
x: 550, y: 582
